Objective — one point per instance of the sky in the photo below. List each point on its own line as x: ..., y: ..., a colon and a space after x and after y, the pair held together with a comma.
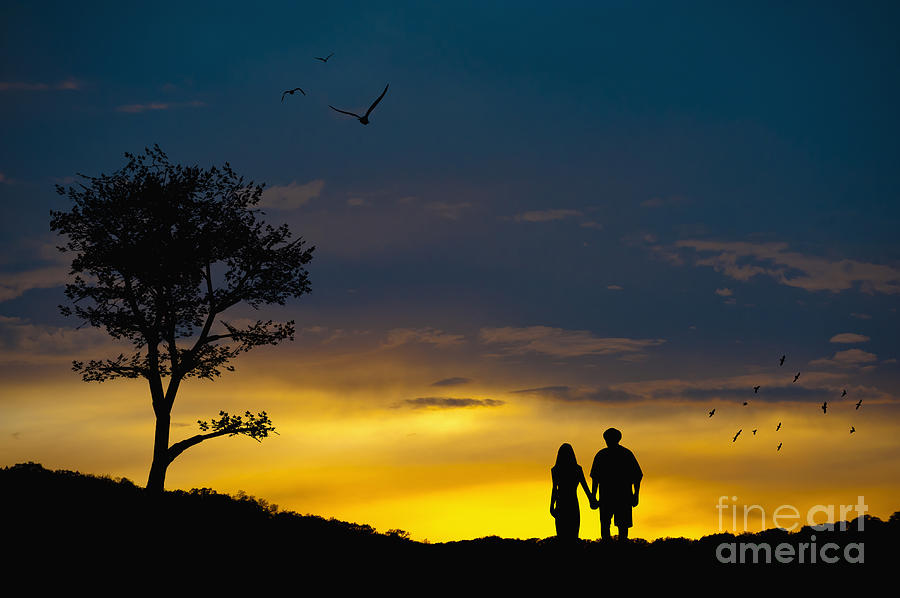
x: 562, y: 217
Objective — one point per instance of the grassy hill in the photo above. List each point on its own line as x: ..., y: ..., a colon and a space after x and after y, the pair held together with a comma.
x: 68, y: 521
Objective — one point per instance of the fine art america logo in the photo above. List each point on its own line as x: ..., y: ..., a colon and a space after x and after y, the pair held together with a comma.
x: 787, y: 517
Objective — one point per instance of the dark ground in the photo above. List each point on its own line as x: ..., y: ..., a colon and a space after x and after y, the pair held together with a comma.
x: 67, y: 528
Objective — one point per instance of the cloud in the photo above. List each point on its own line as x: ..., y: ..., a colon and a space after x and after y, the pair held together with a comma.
x: 560, y: 342
x: 724, y: 292
x: 450, y: 403
x: 591, y: 224
x: 455, y: 381
x: 578, y: 394
x: 156, y: 106
x: 3, y: 178
x: 13, y: 285
x: 545, y: 215
x: 70, y: 84
x: 447, y: 210
x: 401, y: 336
x: 849, y: 337
x: 743, y: 260
x: 851, y: 358
x: 24, y: 342
x: 614, y: 287
x: 357, y: 202
x: 861, y: 316
x: 291, y: 196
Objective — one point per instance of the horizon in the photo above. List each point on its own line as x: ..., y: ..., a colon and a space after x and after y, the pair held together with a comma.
x: 572, y: 219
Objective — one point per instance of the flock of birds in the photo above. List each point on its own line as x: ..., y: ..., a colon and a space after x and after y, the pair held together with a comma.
x: 364, y: 119
x: 824, y: 406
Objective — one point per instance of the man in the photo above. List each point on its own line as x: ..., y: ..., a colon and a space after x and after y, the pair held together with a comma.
x: 614, y: 473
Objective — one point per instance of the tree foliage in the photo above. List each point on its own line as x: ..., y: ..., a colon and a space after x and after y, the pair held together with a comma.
x: 161, y: 252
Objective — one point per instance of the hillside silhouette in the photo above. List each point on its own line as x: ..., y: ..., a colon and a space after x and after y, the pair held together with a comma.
x: 65, y: 520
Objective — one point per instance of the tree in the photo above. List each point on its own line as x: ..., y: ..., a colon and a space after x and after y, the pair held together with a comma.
x: 161, y: 251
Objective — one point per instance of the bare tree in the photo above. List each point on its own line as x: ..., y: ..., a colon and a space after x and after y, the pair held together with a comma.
x: 161, y: 252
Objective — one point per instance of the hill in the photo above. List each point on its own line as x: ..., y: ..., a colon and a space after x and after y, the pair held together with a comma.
x: 68, y: 521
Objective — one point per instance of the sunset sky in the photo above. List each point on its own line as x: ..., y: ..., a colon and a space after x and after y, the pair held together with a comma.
x: 562, y: 217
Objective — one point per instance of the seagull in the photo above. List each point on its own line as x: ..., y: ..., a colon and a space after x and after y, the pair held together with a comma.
x: 781, y: 362
x: 779, y: 427
x: 736, y: 435
x: 291, y: 92
x: 844, y: 394
x: 795, y: 377
x: 712, y: 413
x: 755, y: 389
x: 324, y: 59
x: 365, y: 118
x: 754, y: 431
x: 852, y: 429
x: 858, y: 403
x: 779, y: 446
x: 825, y: 407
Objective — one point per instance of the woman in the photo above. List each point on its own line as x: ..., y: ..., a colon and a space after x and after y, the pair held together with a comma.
x: 567, y: 475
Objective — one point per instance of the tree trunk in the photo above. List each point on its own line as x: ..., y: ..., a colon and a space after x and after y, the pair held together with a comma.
x: 156, y: 483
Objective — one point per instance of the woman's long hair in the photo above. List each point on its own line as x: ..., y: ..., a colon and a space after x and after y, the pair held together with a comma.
x: 565, y: 459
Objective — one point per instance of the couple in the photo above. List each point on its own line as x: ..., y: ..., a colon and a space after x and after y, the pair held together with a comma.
x: 614, y: 472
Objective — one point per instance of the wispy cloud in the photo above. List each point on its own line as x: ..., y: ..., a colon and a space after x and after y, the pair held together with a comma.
x: 860, y: 316
x: 450, y: 403
x: 724, y: 292
x: 851, y: 358
x: 615, y: 287
x: 14, y: 284
x: 744, y: 260
x: 849, y: 337
x: 447, y: 210
x: 156, y: 106
x: 455, y: 381
x: 560, y: 342
x: 545, y: 215
x: 658, y: 202
x: 292, y: 195
x: 401, y: 336
x: 70, y: 84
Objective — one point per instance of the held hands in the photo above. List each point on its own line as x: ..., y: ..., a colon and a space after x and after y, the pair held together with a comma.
x: 634, y: 501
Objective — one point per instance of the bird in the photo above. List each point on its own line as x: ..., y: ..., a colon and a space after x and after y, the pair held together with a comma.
x: 736, y: 435
x: 712, y: 413
x: 825, y: 407
x: 779, y: 446
x: 291, y: 92
x: 755, y: 389
x: 364, y: 119
x: 745, y: 403
x: 754, y: 431
x: 779, y: 427
x: 844, y: 394
x: 852, y: 429
x: 858, y: 403
x: 795, y: 377
x: 324, y: 59
x: 781, y: 362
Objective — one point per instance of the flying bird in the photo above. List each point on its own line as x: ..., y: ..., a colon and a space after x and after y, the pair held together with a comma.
x: 745, y: 403
x: 781, y: 362
x: 712, y: 413
x: 852, y: 429
x: 736, y: 435
x: 324, y: 59
x: 825, y: 407
x: 779, y: 446
x: 291, y: 92
x: 844, y: 394
x: 364, y: 119
x: 779, y: 427
x: 754, y: 431
x: 858, y: 403
x: 755, y: 389
x: 795, y: 377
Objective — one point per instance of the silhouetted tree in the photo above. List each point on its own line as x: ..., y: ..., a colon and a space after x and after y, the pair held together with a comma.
x: 160, y: 252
